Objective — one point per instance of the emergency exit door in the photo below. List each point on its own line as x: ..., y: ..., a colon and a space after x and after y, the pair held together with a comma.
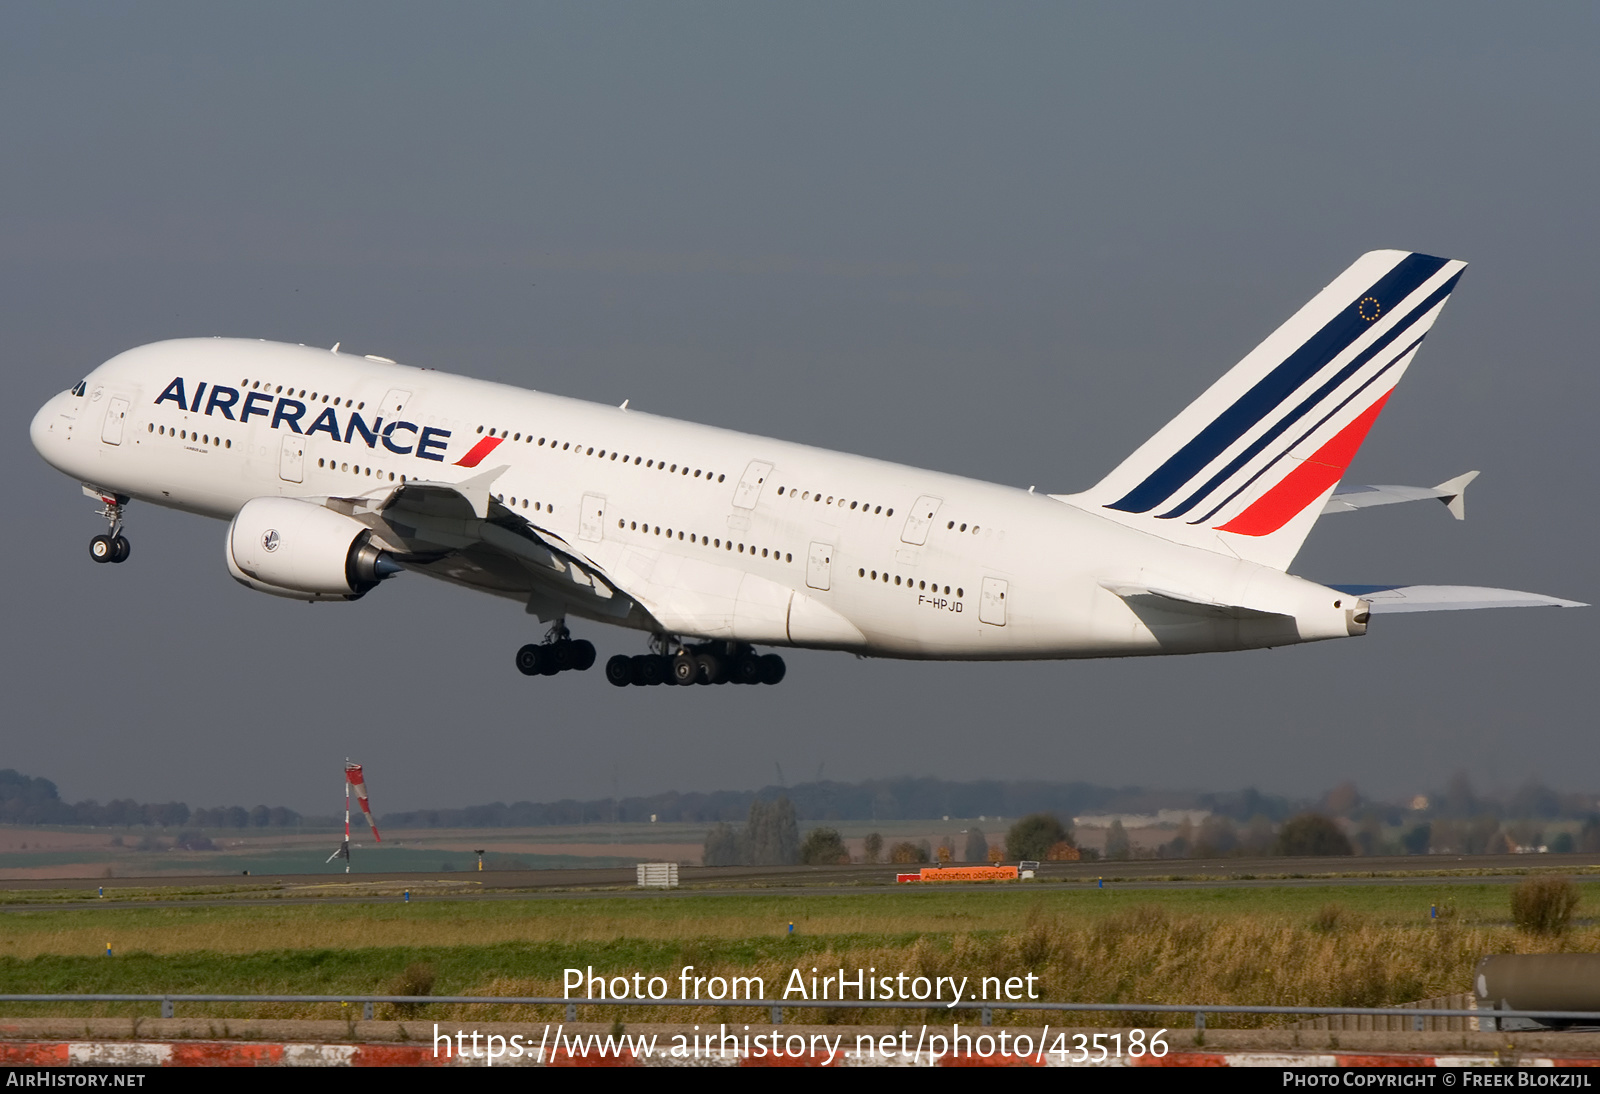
x: 992, y: 602
x: 819, y: 566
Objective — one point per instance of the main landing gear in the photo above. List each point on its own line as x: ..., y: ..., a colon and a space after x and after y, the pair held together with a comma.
x: 112, y: 547
x: 557, y: 653
x: 712, y: 663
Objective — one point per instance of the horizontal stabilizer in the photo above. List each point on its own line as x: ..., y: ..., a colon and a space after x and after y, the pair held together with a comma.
x: 1167, y: 599
x: 1448, y: 598
x: 1452, y: 492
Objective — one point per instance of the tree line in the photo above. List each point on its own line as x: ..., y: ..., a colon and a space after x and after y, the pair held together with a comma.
x: 25, y: 799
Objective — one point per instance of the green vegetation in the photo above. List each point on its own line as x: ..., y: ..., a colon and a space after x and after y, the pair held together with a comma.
x: 1312, y: 834
x: 823, y: 847
x: 1033, y: 836
x: 769, y: 837
x: 1544, y: 905
x: 1359, y: 944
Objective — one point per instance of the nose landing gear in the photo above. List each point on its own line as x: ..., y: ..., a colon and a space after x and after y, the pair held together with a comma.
x: 112, y: 547
x: 558, y: 653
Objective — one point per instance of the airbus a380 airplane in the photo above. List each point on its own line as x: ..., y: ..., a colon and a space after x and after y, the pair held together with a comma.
x: 338, y: 471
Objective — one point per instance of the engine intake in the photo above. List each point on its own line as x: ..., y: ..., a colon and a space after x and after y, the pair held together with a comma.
x: 298, y: 549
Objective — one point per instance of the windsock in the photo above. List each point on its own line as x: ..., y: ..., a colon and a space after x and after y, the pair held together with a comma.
x: 353, y: 776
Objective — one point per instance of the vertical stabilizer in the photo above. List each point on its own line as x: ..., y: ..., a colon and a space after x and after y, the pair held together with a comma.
x: 1247, y: 467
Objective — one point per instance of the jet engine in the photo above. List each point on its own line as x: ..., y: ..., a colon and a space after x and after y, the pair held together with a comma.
x: 300, y: 550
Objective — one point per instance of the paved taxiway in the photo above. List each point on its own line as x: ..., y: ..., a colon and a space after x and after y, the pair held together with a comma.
x: 357, y: 888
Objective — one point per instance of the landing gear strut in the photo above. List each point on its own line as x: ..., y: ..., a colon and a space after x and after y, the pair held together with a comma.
x: 112, y: 547
x: 558, y: 653
x: 710, y: 663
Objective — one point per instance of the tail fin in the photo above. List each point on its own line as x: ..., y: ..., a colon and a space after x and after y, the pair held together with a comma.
x: 1246, y: 468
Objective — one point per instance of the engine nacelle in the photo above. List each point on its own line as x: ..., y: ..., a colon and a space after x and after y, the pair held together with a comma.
x: 298, y: 549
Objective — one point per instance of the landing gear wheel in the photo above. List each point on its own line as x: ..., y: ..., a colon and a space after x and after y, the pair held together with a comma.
x: 559, y: 655
x: 120, y: 549
x: 772, y: 669
x: 583, y: 655
x: 102, y: 549
x: 710, y: 668
x: 747, y: 669
x: 685, y: 668
x: 648, y: 671
x: 619, y: 670
x: 529, y: 660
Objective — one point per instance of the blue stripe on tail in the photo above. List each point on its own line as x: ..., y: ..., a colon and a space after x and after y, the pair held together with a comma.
x: 1314, y: 400
x: 1271, y: 390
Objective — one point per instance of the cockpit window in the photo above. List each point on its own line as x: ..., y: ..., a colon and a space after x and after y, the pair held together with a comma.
x: 78, y: 388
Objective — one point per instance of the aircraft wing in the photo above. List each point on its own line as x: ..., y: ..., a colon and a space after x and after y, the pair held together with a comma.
x: 1453, y: 492
x: 1448, y: 598
x: 462, y: 533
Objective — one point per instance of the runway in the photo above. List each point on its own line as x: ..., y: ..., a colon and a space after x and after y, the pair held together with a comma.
x: 703, y: 881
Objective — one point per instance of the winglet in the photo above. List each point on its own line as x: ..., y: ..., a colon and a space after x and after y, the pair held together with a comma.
x: 1453, y: 492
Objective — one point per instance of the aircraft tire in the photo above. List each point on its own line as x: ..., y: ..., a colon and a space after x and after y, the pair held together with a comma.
x: 747, y: 669
x: 649, y: 671
x: 583, y: 655
x: 560, y: 656
x: 619, y: 670
x: 772, y: 669
x: 710, y: 668
x: 685, y: 669
x: 529, y: 660
x: 101, y: 549
x: 120, y: 548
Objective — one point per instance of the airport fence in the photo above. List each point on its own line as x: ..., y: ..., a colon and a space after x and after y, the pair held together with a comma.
x: 1409, y: 1016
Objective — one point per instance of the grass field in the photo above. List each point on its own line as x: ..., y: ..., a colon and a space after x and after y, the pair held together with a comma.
x: 1357, y: 945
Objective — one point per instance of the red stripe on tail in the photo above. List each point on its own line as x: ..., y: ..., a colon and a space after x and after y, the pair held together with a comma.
x: 1306, y: 483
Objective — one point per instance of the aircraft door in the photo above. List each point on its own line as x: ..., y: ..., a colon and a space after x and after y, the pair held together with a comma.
x: 394, y: 403
x: 748, y: 491
x: 292, y: 458
x: 921, y: 519
x: 819, y: 566
x: 992, y: 602
x: 116, y: 415
x: 592, y: 519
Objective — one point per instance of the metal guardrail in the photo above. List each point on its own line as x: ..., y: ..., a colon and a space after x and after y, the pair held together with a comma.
x: 776, y: 1007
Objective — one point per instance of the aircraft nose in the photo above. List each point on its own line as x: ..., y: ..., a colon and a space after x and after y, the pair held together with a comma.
x: 46, y: 423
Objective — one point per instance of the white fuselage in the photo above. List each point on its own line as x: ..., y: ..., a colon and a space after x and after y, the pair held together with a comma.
x: 902, y: 562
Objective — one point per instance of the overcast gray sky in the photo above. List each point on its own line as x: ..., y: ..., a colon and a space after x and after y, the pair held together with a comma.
x: 1008, y: 241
